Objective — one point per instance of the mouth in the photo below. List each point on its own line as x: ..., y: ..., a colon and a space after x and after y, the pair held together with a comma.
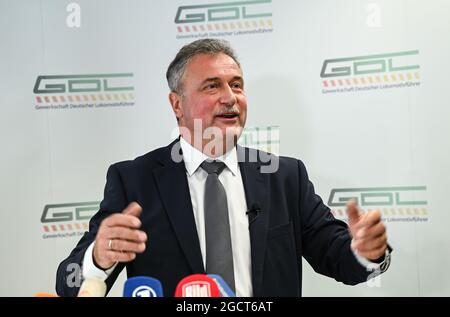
x: 228, y: 116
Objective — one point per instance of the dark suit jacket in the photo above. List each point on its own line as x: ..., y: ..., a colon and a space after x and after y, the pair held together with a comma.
x: 293, y: 222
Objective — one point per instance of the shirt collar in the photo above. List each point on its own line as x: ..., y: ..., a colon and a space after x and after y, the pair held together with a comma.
x: 192, y: 158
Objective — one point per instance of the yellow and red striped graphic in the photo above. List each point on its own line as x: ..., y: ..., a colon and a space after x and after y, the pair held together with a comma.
x: 84, y: 98
x: 397, y: 211
x: 78, y: 226
x: 225, y: 26
x: 367, y: 80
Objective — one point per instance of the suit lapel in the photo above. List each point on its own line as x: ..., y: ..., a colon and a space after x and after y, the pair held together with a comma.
x: 256, y: 186
x: 173, y: 187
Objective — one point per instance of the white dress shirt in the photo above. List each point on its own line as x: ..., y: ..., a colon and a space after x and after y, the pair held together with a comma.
x: 231, y: 180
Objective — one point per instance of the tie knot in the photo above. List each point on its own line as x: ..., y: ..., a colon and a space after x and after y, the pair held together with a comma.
x: 214, y: 167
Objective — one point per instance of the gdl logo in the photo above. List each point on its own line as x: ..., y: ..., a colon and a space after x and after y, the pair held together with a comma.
x: 68, y: 217
x: 69, y: 91
x: 370, y: 64
x: 371, y: 72
x: 52, y: 84
x: 379, y: 196
x: 220, y: 12
x: 398, y: 202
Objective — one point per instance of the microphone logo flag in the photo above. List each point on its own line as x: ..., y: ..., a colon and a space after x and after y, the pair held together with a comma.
x: 196, y: 289
x: 144, y: 291
x: 197, y: 285
x: 142, y: 286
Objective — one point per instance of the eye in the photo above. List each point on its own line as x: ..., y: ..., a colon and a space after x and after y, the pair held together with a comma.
x: 236, y: 85
x: 211, y: 86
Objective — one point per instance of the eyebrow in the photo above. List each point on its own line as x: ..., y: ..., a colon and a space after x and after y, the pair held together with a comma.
x: 218, y: 79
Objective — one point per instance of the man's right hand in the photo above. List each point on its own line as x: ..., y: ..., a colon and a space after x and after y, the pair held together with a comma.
x: 119, y: 238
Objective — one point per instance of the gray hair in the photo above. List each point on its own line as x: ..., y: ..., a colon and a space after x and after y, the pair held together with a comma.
x: 177, y: 67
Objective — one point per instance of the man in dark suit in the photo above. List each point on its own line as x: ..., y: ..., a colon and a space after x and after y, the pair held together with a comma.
x: 205, y: 205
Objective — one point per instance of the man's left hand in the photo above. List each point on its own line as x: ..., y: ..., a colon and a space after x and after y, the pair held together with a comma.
x: 368, y: 232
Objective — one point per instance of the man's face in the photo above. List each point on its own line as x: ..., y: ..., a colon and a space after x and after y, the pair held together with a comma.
x: 213, y: 92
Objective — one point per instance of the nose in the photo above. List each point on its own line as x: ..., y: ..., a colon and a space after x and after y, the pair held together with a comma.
x: 227, y: 96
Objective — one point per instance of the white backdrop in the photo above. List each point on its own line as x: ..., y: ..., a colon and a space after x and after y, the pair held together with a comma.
x: 374, y: 125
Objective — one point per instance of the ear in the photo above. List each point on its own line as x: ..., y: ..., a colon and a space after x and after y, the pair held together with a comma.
x: 175, y: 101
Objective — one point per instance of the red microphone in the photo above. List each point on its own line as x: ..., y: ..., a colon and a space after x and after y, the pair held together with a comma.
x: 197, y: 285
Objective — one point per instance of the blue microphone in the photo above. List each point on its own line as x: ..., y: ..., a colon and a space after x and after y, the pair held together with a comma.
x: 142, y: 286
x: 225, y: 290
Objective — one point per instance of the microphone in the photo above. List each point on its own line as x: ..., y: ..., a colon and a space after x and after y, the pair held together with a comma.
x: 92, y: 287
x: 225, y: 290
x: 253, y: 212
x: 44, y: 294
x: 142, y: 286
x: 197, y: 285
